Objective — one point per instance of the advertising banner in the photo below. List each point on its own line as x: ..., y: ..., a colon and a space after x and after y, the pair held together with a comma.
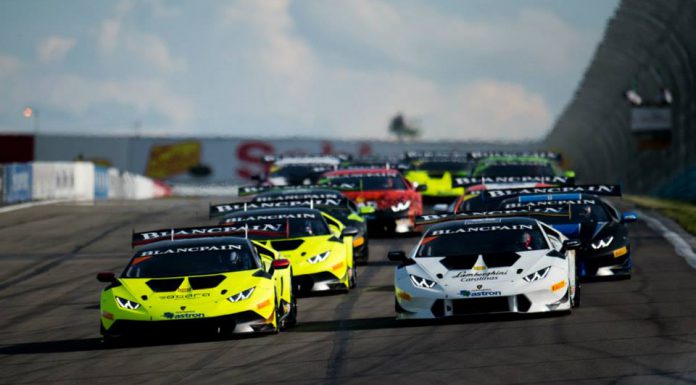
x: 17, y: 183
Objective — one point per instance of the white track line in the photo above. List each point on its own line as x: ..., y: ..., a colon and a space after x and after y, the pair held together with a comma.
x: 681, y: 246
x: 27, y: 205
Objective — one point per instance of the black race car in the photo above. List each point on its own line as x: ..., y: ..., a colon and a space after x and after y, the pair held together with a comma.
x: 605, y: 245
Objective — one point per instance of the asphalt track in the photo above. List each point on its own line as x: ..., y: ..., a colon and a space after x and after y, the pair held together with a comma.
x: 636, y: 331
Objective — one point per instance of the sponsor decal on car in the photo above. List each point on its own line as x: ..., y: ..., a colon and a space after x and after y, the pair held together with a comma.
x: 480, y: 293
x: 185, y: 296
x: 599, y: 189
x: 479, y: 276
x: 170, y: 315
x: 470, y: 181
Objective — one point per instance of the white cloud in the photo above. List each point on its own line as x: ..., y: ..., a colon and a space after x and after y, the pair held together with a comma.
x: 324, y: 100
x: 8, y: 65
x: 54, y: 48
x: 109, y: 34
x: 77, y: 95
x: 154, y: 51
x: 113, y: 39
x: 418, y: 34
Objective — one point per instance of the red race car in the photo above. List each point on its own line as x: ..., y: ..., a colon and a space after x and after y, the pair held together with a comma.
x: 395, y: 200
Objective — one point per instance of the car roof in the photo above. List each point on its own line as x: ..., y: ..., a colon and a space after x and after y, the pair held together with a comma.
x: 299, y: 191
x: 363, y: 171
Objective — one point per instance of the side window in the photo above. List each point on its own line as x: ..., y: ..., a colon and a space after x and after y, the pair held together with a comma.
x: 334, y: 225
x: 553, y: 236
x: 266, y: 256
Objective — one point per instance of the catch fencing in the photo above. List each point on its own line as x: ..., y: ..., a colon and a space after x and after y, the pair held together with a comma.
x: 649, y: 49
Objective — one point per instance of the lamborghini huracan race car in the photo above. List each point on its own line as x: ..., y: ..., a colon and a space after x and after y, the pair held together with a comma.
x: 333, y: 203
x: 437, y: 171
x: 198, y: 279
x: 493, y: 168
x: 396, y: 201
x: 319, y: 246
x: 494, y: 263
x: 605, y: 247
x: 297, y: 170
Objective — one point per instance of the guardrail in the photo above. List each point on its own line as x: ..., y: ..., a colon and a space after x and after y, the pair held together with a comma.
x: 36, y: 181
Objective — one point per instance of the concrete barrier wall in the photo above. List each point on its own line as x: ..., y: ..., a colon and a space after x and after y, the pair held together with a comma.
x: 81, y: 181
x: 648, y: 45
x: 215, y: 161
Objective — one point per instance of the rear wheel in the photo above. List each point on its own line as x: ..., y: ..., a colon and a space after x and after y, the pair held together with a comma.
x: 291, y: 319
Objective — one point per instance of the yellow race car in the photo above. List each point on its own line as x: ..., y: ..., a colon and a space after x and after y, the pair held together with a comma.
x: 319, y: 246
x: 198, y: 279
x: 437, y: 173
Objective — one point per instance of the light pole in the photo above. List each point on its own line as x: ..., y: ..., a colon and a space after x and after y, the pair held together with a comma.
x: 34, y: 113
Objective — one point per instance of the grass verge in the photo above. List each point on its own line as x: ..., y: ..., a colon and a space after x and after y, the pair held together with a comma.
x: 683, y: 213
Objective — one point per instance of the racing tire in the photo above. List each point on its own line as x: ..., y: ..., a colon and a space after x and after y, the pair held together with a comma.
x: 353, y: 279
x: 291, y: 319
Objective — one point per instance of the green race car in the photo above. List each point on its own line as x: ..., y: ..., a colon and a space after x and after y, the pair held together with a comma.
x: 198, y: 279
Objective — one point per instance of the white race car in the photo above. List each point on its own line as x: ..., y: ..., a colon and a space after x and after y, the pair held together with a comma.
x: 486, y: 265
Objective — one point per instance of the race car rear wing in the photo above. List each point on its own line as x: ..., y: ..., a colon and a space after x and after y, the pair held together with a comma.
x: 148, y: 237
x: 472, y: 181
x: 476, y: 155
x: 253, y: 190
x: 594, y: 189
x: 300, y: 197
x: 226, y: 208
x: 429, y: 219
x: 275, y: 158
x: 454, y: 155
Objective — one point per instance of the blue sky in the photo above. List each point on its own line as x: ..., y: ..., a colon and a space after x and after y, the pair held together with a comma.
x: 475, y: 69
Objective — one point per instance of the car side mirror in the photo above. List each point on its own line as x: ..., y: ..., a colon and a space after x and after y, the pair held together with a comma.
x: 571, y: 244
x: 629, y: 217
x: 106, y: 277
x: 280, y: 264
x: 396, y: 255
x: 421, y: 187
x: 349, y: 232
x: 441, y: 208
x: 366, y: 209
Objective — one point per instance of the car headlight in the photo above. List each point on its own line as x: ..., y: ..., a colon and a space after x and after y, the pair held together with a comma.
x: 241, y: 296
x: 401, y: 206
x: 602, y: 243
x: 319, y: 257
x: 537, y: 275
x: 127, y: 304
x: 421, y: 282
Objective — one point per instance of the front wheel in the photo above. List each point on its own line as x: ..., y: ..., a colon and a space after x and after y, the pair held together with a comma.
x: 576, y: 298
x: 353, y: 278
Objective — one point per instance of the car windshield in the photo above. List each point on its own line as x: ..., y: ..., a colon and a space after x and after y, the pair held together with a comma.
x: 176, y: 261
x: 367, y: 183
x: 340, y: 213
x: 290, y: 228
x: 530, y: 169
x: 443, y: 166
x: 481, y: 242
